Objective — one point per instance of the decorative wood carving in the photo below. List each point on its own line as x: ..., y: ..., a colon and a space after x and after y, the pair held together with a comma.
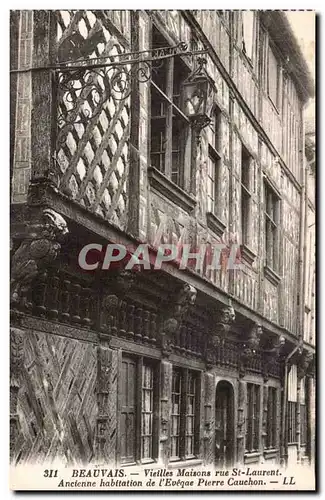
x: 249, y: 348
x: 242, y: 396
x: 108, y: 313
x: 217, y: 337
x: 107, y: 400
x: 270, y: 356
x: 38, y: 249
x: 16, y: 366
x: 305, y: 364
x: 173, y: 320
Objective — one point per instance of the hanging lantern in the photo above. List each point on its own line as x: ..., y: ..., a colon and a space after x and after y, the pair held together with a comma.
x: 197, y: 95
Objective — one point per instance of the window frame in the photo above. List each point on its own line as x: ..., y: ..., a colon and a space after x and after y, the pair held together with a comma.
x: 303, y: 413
x: 252, y: 434
x: 246, y: 193
x: 215, y: 157
x: 183, y: 415
x: 140, y: 362
x: 272, y: 207
x: 272, y: 49
x: 291, y: 427
x: 172, y: 113
x: 272, y: 415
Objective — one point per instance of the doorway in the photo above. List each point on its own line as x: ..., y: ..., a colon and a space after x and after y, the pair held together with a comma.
x: 224, y: 425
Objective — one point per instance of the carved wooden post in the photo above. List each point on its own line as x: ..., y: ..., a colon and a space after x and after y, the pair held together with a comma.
x: 173, y: 318
x: 130, y: 319
x: 76, y: 288
x: 146, y: 325
x: 107, y: 371
x: 215, y: 340
x: 249, y: 348
x: 153, y: 328
x: 122, y: 319
x: 40, y: 306
x: 241, y: 429
x: 138, y: 324
x: 86, y: 306
x: 42, y: 115
x: 16, y: 366
x: 209, y: 418
x: 107, y: 314
x: 54, y: 299
x: 66, y: 300
x: 166, y: 374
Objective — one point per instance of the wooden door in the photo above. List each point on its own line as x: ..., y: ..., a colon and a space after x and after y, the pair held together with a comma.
x: 128, y: 410
x: 224, y: 425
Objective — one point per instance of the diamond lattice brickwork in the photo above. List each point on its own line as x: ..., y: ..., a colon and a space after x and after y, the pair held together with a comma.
x: 57, y: 401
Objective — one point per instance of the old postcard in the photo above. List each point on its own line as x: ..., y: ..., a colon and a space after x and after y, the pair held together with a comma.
x: 162, y: 298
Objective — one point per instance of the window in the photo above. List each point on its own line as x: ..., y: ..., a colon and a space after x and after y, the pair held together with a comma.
x: 214, y: 160
x: 245, y: 195
x: 303, y: 414
x: 176, y: 413
x: 190, y: 415
x: 137, y: 410
x: 252, y: 418
x: 292, y: 405
x: 273, y: 78
x: 303, y: 425
x: 291, y: 422
x: 170, y: 132
x: 184, y: 418
x: 147, y: 412
x: 248, y: 35
x: 272, y: 207
x: 271, y: 418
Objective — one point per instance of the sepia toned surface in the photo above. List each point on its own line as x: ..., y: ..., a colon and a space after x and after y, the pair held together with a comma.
x: 179, y: 368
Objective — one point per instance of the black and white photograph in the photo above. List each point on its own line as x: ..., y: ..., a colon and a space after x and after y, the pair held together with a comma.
x: 162, y: 250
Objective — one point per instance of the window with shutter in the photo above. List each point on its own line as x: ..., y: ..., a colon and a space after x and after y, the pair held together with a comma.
x: 184, y: 418
x: 138, y: 400
x: 272, y: 215
x: 252, y: 417
x: 170, y: 131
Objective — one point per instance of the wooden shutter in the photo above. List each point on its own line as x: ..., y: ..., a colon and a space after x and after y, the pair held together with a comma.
x: 128, y: 410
